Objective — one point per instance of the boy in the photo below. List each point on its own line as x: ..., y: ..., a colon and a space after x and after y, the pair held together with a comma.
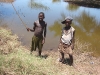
x: 67, y: 40
x: 39, y: 30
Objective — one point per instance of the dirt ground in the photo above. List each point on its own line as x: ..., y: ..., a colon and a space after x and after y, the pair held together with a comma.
x: 84, y: 63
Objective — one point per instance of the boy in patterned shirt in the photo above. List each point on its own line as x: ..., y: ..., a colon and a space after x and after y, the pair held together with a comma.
x: 66, y: 45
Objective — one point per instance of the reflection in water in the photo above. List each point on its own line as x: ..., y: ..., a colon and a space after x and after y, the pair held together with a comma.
x: 36, y: 5
x: 72, y: 7
x: 87, y: 23
x: 87, y: 29
x: 56, y: 1
x: 56, y: 28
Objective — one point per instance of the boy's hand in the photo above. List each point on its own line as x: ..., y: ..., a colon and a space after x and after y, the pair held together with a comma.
x: 28, y: 29
x: 43, y: 41
x: 72, y: 47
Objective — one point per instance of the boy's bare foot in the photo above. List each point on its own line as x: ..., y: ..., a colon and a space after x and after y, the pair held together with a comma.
x: 61, y: 60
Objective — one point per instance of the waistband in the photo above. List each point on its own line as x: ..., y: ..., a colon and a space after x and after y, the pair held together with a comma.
x: 65, y: 44
x: 38, y: 36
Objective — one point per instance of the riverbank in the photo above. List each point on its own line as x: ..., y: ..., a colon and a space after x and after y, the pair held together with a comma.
x: 91, y: 4
x: 15, y: 59
x: 7, y: 1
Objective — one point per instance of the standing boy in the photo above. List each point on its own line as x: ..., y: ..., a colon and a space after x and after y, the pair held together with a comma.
x: 39, y: 30
x: 67, y: 40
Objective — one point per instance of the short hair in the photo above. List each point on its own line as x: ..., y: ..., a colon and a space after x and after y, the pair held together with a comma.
x: 42, y: 14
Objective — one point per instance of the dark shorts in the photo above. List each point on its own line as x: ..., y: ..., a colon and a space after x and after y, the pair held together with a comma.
x: 37, y: 43
x: 64, y: 48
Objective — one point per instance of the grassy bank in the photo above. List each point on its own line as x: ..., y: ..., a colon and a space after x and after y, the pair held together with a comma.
x: 88, y: 3
x: 16, y: 60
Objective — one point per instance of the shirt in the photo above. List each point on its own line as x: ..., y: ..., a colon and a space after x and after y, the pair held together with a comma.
x: 67, y: 35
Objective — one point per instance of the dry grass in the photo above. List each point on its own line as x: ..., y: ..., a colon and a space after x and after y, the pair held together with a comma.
x: 8, y: 43
x: 16, y: 60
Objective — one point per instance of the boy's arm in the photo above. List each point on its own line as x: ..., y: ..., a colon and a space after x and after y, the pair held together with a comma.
x: 73, y: 41
x: 60, y: 38
x: 45, y: 30
x: 32, y: 30
x: 61, y: 35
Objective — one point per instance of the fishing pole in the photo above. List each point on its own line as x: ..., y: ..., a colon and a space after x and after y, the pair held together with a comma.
x: 19, y: 16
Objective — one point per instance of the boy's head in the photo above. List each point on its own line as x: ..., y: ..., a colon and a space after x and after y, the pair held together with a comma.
x: 41, y: 16
x: 67, y: 21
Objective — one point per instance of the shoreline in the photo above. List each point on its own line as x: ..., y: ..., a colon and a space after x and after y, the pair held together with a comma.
x: 15, y: 59
x: 91, y: 4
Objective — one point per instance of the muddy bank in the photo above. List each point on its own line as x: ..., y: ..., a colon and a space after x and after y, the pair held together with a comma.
x: 16, y: 60
x: 91, y: 4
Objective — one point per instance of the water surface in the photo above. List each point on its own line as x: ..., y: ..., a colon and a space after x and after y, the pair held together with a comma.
x: 85, y: 20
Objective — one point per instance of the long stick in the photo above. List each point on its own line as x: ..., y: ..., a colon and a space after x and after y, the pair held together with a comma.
x: 19, y: 16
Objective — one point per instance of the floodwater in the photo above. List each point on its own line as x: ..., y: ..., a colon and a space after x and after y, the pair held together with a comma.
x: 86, y: 21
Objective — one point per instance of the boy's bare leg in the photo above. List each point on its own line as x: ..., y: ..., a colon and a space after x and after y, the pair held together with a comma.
x: 32, y: 49
x: 71, y: 60
x: 32, y: 45
x: 39, y: 53
x: 61, y: 57
x: 40, y: 48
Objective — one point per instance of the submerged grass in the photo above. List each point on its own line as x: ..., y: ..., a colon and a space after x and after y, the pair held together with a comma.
x: 16, y: 60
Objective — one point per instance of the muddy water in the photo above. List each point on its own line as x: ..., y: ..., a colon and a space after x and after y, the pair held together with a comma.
x: 86, y: 21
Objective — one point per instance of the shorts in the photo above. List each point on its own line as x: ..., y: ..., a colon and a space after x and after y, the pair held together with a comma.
x: 37, y: 43
x: 65, y: 48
